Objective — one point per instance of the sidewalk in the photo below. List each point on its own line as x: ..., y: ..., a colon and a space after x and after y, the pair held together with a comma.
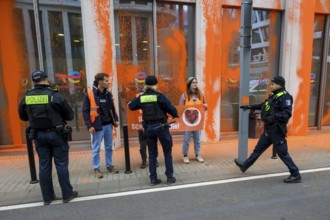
x: 312, y: 151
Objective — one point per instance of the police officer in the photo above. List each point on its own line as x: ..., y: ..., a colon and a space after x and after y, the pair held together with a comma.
x: 155, y: 107
x: 47, y: 112
x: 275, y: 112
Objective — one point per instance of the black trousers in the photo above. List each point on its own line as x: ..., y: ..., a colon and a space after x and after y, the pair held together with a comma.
x: 271, y: 136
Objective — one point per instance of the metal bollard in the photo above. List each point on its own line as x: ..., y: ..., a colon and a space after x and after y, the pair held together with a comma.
x: 32, y: 164
x: 126, y: 148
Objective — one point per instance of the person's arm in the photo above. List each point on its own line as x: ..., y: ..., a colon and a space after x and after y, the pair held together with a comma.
x: 86, y: 111
x: 66, y: 110
x: 167, y: 106
x: 22, y: 110
x: 182, y: 99
x: 286, y: 109
x: 135, y: 104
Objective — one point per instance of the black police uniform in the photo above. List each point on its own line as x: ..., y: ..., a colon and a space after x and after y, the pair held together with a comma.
x: 154, y: 106
x: 275, y: 112
x: 46, y: 109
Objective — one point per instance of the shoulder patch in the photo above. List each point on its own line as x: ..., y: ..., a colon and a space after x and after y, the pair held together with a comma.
x: 288, y: 102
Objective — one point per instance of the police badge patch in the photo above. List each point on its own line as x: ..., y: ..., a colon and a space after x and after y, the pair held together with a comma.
x: 288, y: 102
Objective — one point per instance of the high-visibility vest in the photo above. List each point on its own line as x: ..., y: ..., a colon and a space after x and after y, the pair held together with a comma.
x: 93, y: 110
x: 192, y: 102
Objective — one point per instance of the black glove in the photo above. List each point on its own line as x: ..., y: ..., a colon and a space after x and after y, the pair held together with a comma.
x: 245, y: 107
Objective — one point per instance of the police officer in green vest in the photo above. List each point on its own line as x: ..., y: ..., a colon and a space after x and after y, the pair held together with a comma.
x: 275, y: 112
x: 47, y: 112
x: 155, y: 107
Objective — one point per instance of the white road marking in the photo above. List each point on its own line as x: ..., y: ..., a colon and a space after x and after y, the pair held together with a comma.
x: 160, y: 189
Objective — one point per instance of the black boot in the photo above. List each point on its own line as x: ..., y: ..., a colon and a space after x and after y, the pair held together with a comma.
x: 241, y: 166
x: 293, y: 179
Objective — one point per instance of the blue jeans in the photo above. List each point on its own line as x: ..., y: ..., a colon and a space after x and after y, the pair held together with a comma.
x: 279, y: 142
x: 165, y: 138
x: 97, y: 138
x: 49, y: 145
x: 186, y: 139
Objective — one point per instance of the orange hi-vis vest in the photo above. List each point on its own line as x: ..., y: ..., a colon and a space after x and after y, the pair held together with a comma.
x: 192, y: 102
x: 93, y: 111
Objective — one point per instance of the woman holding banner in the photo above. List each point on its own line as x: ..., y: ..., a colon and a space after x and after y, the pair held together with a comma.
x: 192, y: 96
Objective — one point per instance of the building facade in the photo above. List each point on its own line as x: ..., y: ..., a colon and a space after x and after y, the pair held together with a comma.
x: 72, y: 40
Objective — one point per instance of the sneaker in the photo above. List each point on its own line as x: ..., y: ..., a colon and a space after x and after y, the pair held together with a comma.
x: 143, y: 165
x: 112, y: 169
x: 98, y: 174
x: 292, y: 179
x: 171, y: 180
x: 74, y: 195
x: 155, y: 182
x: 49, y: 201
x: 199, y: 159
x: 185, y: 159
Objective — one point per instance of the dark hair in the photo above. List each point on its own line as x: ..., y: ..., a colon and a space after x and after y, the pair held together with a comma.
x: 100, y: 76
x: 191, y: 92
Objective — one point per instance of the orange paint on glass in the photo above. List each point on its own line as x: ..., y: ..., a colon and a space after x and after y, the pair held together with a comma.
x: 212, y: 69
x: 12, y: 63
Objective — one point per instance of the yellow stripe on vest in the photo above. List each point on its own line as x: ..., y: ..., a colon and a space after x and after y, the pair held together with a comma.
x: 148, y: 98
x: 36, y: 99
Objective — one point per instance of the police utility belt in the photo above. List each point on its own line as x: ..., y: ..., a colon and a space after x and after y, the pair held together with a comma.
x: 65, y: 131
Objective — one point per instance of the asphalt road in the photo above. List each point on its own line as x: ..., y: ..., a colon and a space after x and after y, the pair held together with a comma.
x: 267, y: 198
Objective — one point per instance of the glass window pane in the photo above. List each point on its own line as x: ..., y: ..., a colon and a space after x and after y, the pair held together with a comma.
x: 264, y: 61
x: 326, y: 107
x: 134, y: 46
x: 63, y: 46
x: 175, y: 47
x: 316, y: 68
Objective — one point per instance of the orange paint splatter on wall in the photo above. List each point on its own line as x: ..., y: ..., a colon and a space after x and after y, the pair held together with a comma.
x: 212, y: 67
x: 12, y: 72
x: 322, y: 6
x: 103, y: 11
x: 301, y: 105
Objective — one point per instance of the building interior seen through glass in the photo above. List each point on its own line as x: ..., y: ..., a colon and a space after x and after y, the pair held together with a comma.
x: 264, y: 61
x: 135, y: 46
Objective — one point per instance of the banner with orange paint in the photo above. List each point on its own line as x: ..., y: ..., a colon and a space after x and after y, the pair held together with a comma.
x: 191, y: 119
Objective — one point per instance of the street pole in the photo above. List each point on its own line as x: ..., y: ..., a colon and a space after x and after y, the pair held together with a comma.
x: 245, y: 54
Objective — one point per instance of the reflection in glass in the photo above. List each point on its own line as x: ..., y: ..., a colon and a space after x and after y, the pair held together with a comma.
x: 316, y: 68
x: 263, y: 66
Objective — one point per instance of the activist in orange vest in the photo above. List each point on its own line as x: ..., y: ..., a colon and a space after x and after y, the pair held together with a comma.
x: 100, y: 115
x: 192, y: 96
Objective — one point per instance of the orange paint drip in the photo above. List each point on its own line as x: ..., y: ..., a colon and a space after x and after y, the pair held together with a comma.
x: 11, y: 69
x: 103, y: 15
x: 301, y: 108
x: 212, y: 69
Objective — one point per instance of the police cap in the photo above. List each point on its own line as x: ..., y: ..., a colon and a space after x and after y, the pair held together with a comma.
x: 38, y: 75
x: 151, y: 81
x: 279, y: 80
